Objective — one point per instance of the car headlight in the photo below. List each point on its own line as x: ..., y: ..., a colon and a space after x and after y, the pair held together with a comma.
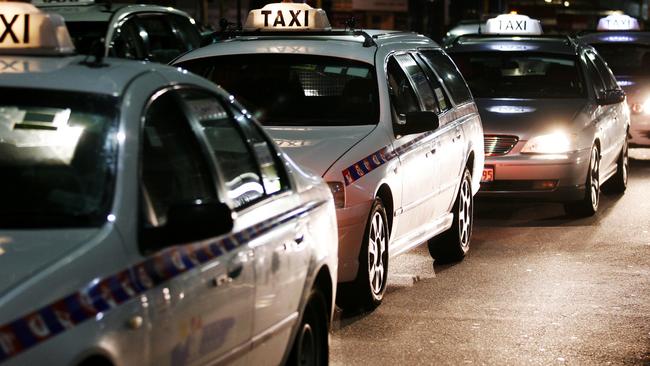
x: 338, y: 191
x: 554, y: 143
x: 638, y: 108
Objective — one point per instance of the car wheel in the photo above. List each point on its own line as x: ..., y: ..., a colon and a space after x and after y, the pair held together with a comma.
x: 310, y: 347
x: 589, y: 204
x: 367, y: 290
x: 453, y: 244
x: 618, y: 183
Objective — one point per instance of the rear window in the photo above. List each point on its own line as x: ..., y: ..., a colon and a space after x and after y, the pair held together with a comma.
x: 635, y: 62
x: 297, y: 90
x: 520, y: 75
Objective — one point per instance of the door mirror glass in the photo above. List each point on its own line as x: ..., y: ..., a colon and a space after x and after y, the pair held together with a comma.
x: 419, y: 122
x: 190, y: 222
x: 611, y: 97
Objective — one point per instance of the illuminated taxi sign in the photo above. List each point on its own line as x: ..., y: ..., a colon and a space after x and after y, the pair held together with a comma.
x: 513, y: 24
x: 25, y: 30
x: 287, y: 17
x: 618, y: 22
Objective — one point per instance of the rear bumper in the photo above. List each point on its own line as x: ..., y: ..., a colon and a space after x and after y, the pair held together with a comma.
x: 538, y: 177
x: 352, y: 225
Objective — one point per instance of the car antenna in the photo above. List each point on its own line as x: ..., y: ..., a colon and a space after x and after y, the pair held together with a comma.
x: 97, y: 52
x: 350, y: 23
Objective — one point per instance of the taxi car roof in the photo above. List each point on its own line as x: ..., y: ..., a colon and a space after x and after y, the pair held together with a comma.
x: 343, y: 46
x: 543, y: 43
x: 71, y: 74
x: 616, y: 36
x: 102, y: 12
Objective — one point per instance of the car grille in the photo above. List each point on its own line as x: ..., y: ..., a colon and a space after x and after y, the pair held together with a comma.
x: 499, y: 144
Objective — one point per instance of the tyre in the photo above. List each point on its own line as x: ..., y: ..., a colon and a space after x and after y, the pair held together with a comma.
x: 588, y: 206
x: 453, y: 244
x: 367, y: 291
x: 618, y: 183
x: 310, y: 347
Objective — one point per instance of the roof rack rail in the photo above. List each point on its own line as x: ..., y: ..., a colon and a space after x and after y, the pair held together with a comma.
x: 230, y: 34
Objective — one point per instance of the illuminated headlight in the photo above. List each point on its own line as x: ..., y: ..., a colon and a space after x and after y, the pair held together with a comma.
x: 554, y: 143
x: 338, y: 191
x: 638, y: 108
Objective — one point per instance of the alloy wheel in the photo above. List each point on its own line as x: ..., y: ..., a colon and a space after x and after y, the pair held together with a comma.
x: 377, y: 240
x: 465, y: 214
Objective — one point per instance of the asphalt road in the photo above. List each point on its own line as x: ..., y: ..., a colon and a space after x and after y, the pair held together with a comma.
x: 537, y: 288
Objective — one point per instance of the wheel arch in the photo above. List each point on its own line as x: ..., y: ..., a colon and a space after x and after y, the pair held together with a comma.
x: 386, y: 195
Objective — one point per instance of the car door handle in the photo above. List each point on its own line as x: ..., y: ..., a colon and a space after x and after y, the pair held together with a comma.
x: 235, y: 270
x: 299, y: 239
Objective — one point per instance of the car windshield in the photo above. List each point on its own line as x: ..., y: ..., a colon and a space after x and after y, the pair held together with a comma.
x: 297, y: 90
x: 85, y: 34
x: 626, y: 58
x: 57, y: 158
x: 520, y: 75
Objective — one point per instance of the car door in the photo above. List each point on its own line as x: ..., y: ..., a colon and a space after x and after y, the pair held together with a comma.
x: 449, y: 83
x: 205, y: 313
x: 615, y: 128
x: 257, y: 186
x: 410, y: 92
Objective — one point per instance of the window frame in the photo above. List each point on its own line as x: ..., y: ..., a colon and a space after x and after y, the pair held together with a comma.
x: 450, y: 95
x: 432, y: 73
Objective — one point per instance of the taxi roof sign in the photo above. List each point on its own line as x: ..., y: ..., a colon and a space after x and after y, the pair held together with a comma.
x: 618, y: 21
x: 513, y: 24
x: 25, y: 30
x: 287, y: 16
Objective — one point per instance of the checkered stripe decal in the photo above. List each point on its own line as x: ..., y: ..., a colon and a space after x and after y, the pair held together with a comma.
x: 102, y: 295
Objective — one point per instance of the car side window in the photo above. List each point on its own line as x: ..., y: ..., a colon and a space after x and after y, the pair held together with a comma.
x: 174, y: 169
x: 188, y: 33
x: 441, y: 95
x: 420, y: 82
x: 274, y: 176
x: 597, y: 82
x: 159, y: 37
x: 604, y: 70
x: 127, y: 42
x: 449, y: 74
x: 232, y: 153
x: 402, y: 96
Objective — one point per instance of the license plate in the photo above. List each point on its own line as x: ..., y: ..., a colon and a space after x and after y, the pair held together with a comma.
x: 488, y: 174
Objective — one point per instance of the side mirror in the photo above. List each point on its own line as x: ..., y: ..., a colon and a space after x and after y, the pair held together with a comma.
x: 611, y: 97
x: 190, y: 222
x: 419, y: 122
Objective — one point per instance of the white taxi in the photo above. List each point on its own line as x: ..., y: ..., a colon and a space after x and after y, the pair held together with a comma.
x: 146, y: 219
x: 385, y: 117
x: 134, y: 31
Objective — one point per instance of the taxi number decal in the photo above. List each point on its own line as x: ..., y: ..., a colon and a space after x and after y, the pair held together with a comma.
x: 279, y: 18
x: 512, y: 25
x: 9, y: 30
x: 105, y: 294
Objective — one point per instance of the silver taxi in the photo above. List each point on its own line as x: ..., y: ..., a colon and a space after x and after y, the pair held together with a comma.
x: 146, y: 219
x: 385, y: 117
x: 627, y: 52
x: 555, y: 120
x: 134, y: 31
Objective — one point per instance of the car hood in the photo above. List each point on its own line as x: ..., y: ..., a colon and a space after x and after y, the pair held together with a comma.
x: 24, y: 253
x: 527, y: 117
x: 318, y: 148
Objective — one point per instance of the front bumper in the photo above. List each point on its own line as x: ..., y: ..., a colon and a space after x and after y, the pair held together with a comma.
x: 559, y: 177
x: 352, y: 225
x: 639, y: 130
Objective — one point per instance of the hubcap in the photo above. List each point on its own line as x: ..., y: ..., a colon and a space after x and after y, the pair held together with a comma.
x: 307, y: 351
x: 465, y: 213
x: 377, y: 238
x: 595, y: 178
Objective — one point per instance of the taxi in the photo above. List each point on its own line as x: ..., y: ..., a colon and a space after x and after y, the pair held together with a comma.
x: 555, y: 121
x: 140, y: 32
x: 146, y: 219
x: 626, y: 49
x: 383, y: 116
